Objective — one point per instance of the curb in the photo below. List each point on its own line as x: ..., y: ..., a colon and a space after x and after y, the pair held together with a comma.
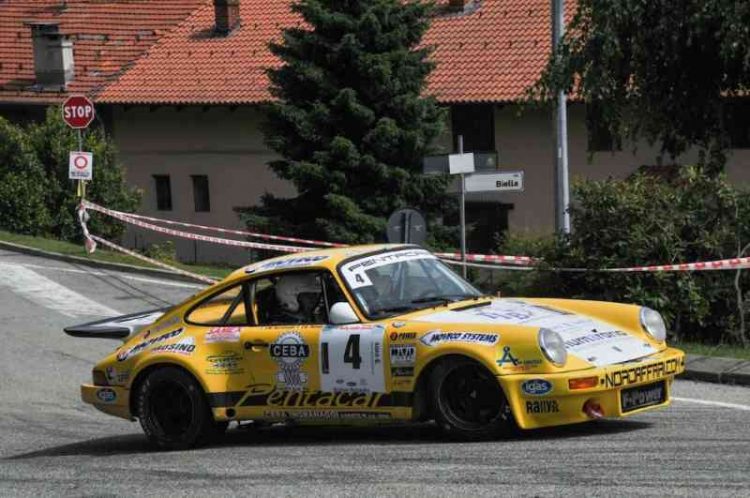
x: 717, y: 370
x: 123, y: 267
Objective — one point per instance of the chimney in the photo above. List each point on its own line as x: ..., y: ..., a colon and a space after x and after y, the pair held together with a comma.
x: 53, y: 55
x: 457, y: 5
x: 227, y: 15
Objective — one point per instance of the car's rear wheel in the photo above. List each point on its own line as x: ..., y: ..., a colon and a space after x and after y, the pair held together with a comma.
x: 173, y: 411
x: 468, y: 402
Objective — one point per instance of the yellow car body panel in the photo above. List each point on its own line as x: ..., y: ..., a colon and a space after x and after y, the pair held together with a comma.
x: 283, y: 372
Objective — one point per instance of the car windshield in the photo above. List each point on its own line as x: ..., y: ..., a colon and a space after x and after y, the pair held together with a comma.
x: 394, y: 282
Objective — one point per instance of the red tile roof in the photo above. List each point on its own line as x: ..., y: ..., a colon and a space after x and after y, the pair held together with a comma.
x: 489, y: 53
x: 107, y: 36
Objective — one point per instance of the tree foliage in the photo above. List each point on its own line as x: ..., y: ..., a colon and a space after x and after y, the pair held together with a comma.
x: 350, y: 123
x: 659, y: 69
x: 648, y: 220
x: 36, y: 196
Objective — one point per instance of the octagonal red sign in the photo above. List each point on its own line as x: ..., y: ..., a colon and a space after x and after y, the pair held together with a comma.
x: 78, y: 111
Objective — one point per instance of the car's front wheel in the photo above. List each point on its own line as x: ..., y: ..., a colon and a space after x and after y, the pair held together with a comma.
x: 173, y: 411
x: 468, y: 402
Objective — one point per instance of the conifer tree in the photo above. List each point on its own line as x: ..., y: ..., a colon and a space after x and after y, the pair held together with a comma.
x: 350, y: 122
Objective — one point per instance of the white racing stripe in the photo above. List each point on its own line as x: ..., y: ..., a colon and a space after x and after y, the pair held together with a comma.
x: 45, y: 292
x: 119, y: 275
x: 714, y: 403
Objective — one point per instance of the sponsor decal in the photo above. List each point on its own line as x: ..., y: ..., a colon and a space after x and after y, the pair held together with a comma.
x: 542, y: 406
x: 226, y: 363
x: 222, y: 334
x: 514, y: 364
x: 287, y: 263
x: 290, y: 352
x: 266, y: 395
x: 594, y: 337
x: 643, y: 396
x: 402, y: 371
x: 398, y: 325
x: 185, y: 347
x: 536, y: 387
x: 326, y: 415
x: 635, y: 375
x: 106, y: 395
x: 437, y: 337
x: 403, y: 336
x: 355, y: 272
x: 124, y: 354
x: 403, y: 354
x: 168, y: 324
x: 115, y: 376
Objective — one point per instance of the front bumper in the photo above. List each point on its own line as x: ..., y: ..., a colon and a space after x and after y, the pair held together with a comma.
x: 113, y: 400
x: 563, y: 405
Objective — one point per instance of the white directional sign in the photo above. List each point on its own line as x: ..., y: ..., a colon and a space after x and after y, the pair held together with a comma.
x: 507, y: 181
x: 460, y: 163
x: 80, y: 165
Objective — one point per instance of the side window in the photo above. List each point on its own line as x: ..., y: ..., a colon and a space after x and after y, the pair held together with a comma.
x: 295, y: 298
x: 229, y: 307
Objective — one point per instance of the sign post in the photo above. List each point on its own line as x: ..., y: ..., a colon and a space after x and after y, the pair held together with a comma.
x: 78, y: 113
x: 461, y: 164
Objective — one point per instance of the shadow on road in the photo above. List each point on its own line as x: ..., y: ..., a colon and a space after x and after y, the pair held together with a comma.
x: 290, y: 435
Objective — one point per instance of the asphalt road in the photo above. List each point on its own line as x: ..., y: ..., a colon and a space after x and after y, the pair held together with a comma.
x: 53, y: 444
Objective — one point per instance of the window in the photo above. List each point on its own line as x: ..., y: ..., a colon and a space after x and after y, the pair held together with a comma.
x: 476, y: 122
x: 201, y: 196
x: 296, y: 298
x: 600, y: 138
x: 163, y: 193
x: 228, y: 307
x: 737, y: 122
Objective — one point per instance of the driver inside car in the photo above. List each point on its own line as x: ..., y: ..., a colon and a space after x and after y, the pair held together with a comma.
x: 297, y: 299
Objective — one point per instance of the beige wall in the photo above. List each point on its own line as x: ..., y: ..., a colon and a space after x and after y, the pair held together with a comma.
x: 223, y: 144
x: 526, y: 142
x: 226, y: 145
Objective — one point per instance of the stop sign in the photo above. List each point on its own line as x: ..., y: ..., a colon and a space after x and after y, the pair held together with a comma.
x: 78, y: 111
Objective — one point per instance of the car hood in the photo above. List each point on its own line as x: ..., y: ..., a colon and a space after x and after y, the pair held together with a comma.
x: 590, y: 338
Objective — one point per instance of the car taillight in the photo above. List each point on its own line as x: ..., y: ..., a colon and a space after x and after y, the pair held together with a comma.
x: 99, y: 378
x: 583, y: 383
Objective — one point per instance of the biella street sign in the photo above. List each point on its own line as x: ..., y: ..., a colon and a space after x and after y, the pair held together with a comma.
x: 78, y: 111
x: 506, y: 181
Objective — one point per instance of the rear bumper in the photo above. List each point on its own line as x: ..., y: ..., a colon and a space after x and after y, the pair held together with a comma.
x: 561, y: 405
x: 113, y: 400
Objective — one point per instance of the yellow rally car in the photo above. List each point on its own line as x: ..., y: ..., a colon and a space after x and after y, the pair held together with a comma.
x: 375, y: 334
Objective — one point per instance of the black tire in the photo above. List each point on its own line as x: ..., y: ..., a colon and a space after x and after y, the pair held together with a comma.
x: 173, y: 411
x: 468, y: 402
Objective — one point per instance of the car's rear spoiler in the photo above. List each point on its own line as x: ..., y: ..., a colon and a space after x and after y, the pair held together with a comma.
x: 119, y: 327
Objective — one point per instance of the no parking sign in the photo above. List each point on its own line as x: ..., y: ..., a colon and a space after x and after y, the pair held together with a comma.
x: 81, y: 165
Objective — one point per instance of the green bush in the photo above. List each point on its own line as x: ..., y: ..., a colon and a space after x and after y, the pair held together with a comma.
x: 22, y: 184
x: 644, y: 220
x: 51, y: 141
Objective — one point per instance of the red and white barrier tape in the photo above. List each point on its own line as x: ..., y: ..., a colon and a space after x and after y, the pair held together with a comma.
x: 490, y: 258
x: 112, y: 245
x: 96, y: 207
x: 193, y: 236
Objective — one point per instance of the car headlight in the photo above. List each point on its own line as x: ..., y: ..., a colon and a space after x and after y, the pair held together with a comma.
x: 552, y: 345
x: 653, y: 323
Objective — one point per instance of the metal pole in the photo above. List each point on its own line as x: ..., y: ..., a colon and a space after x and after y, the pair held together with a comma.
x: 562, y: 188
x: 81, y: 184
x: 463, y: 210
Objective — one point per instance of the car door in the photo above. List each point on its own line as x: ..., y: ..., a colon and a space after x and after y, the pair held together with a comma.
x: 299, y: 366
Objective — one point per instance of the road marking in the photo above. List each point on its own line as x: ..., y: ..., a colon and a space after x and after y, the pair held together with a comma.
x: 120, y: 275
x: 50, y: 294
x: 714, y: 403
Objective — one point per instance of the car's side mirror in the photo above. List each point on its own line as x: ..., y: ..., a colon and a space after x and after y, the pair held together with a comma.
x: 341, y: 314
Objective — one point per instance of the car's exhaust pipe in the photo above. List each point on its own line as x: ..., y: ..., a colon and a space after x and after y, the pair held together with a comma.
x: 593, y: 409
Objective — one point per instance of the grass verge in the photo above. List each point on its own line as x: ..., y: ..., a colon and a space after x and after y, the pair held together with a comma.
x: 721, y: 350
x: 103, y: 254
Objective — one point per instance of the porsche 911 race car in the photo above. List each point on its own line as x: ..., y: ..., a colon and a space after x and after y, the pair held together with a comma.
x: 375, y: 334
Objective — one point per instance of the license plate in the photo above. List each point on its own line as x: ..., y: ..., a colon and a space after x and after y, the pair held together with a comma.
x: 634, y: 398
